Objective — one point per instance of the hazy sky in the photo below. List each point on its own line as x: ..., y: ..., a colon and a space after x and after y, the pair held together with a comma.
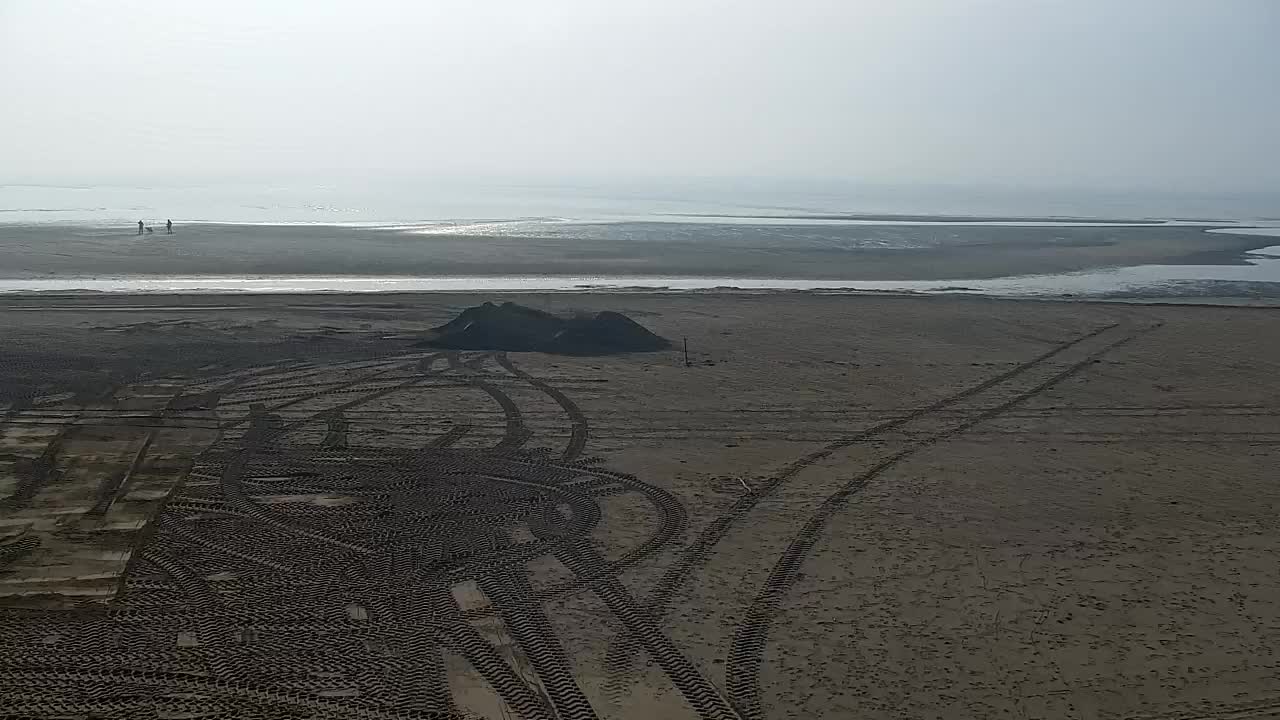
x: 1136, y: 93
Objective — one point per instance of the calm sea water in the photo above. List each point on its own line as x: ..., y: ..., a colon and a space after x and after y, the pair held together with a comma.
x: 380, y: 201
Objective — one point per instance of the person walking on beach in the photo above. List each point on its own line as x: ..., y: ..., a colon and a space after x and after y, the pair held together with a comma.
x: 168, y: 227
x: 139, y: 227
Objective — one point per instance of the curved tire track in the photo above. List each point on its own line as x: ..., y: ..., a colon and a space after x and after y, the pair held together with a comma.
x: 742, y: 667
x: 695, y: 555
x: 578, y: 422
x: 516, y: 434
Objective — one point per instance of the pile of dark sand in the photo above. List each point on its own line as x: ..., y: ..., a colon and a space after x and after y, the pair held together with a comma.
x: 518, y: 328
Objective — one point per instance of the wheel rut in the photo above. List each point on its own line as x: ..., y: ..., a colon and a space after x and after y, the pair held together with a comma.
x: 695, y: 555
x: 742, y: 666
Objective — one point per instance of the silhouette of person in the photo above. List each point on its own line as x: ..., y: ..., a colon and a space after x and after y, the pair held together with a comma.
x: 168, y: 227
x: 139, y: 227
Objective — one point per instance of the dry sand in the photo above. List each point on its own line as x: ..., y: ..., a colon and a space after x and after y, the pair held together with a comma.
x: 861, y: 507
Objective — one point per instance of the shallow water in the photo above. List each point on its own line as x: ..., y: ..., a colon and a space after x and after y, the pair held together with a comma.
x: 409, y: 200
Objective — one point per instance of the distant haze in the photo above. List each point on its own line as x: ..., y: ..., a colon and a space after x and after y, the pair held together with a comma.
x: 1150, y: 94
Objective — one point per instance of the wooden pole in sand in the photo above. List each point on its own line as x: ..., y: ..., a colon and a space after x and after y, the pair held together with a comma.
x: 686, y: 352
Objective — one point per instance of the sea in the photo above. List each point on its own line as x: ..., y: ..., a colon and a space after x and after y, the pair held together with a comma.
x: 412, y: 235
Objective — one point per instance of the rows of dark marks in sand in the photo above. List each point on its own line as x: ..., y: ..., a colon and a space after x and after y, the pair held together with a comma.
x: 293, y: 381
x: 233, y: 490
x: 693, y: 556
x: 1263, y: 709
x: 426, y: 373
x: 265, y: 429
x: 420, y: 688
x: 520, y: 605
x: 35, y: 474
x: 460, y: 636
x: 569, y: 487
x: 333, y: 417
x: 672, y: 517
x: 202, y: 605
x: 323, y: 390
x: 451, y: 436
x: 523, y: 615
x: 12, y: 552
x: 414, y: 677
x: 672, y: 521
x: 111, y: 486
x: 281, y: 607
x: 318, y: 390
x: 742, y: 666
x: 698, y: 691
x: 243, y: 700
x: 33, y: 685
x: 211, y: 393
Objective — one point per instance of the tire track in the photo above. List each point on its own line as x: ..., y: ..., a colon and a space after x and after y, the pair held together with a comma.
x: 110, y: 490
x: 465, y: 640
x: 236, y: 496
x: 203, y: 598
x: 1249, y: 710
x: 742, y: 667
x: 18, y: 549
x: 454, y: 434
x: 231, y: 482
x: 719, y: 528
x: 524, y: 618
x: 217, y: 547
x: 321, y: 393
x: 287, y: 704
x: 702, y: 696
x: 209, y: 399
x: 309, y: 371
x: 421, y: 678
x: 307, y: 601
x: 329, y: 413
x: 693, y: 556
x: 672, y: 517
x: 33, y: 475
x: 515, y: 434
x: 578, y: 422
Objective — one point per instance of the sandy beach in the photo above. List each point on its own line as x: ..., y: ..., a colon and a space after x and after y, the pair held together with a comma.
x: 571, y: 360
x: 843, y: 507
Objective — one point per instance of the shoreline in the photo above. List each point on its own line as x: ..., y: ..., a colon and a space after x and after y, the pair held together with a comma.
x: 1179, y: 264
x: 1228, y: 276
x: 399, y: 300
x: 954, y: 219
x: 849, y: 253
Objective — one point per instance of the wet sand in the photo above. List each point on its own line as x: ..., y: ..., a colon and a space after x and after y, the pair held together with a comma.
x: 845, y: 507
x: 828, y: 252
x: 907, y: 217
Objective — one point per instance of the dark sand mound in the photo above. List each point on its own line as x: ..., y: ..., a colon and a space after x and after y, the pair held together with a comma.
x: 522, y: 329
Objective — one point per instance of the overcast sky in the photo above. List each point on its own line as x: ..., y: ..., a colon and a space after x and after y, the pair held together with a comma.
x: 1123, y: 93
